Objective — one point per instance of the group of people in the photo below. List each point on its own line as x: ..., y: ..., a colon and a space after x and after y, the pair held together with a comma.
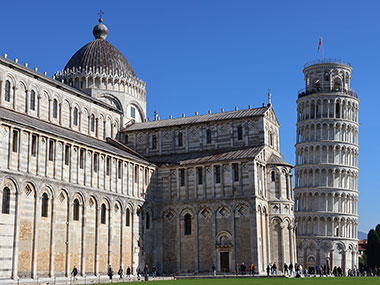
x: 243, y: 269
x: 128, y: 273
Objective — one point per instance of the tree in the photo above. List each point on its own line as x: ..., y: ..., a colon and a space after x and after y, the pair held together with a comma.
x: 378, y: 230
x: 373, y: 248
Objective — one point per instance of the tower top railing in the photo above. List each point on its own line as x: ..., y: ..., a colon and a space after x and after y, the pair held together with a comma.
x: 309, y: 91
x: 327, y: 60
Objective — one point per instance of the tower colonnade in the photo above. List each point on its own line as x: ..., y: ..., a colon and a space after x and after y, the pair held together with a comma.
x: 326, y: 171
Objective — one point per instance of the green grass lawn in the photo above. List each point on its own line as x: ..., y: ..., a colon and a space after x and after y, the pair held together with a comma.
x: 270, y: 281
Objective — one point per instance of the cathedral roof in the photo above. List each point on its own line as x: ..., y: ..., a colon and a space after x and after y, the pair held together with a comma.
x: 198, y: 119
x: 100, y: 55
x: 278, y: 160
x: 209, y: 156
x: 34, y: 123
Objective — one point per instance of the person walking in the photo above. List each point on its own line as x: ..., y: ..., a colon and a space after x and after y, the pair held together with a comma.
x: 251, y: 269
x: 291, y: 269
x: 129, y: 272
x: 110, y: 272
x: 213, y: 269
x: 120, y: 272
x: 286, y: 272
x: 75, y: 273
x: 275, y: 268
x: 268, y: 270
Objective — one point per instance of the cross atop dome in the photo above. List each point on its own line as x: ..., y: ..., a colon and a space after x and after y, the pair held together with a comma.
x: 100, y: 13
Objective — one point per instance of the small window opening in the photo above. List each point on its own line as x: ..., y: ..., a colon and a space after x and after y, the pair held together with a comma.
x: 154, y: 142
x: 7, y: 91
x: 180, y: 139
x: 136, y: 173
x: 96, y: 162
x: 6, y: 201
x: 187, y: 224
x: 108, y: 168
x: 133, y: 112
x: 103, y: 214
x: 51, y: 150
x: 75, y: 116
x: 182, y: 177
x: 67, y: 154
x: 208, y: 136
x: 273, y: 176
x: 15, y: 141
x: 235, y: 172
x: 32, y: 100
x: 45, y: 205
x: 55, y: 108
x: 127, y: 218
x: 76, y: 210
x: 240, y: 133
x: 120, y: 169
x: 81, y: 158
x: 217, y: 173
x: 34, y: 146
x: 200, y: 175
x: 92, y: 123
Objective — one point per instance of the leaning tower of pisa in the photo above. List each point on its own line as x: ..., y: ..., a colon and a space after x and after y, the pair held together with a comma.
x: 326, y: 171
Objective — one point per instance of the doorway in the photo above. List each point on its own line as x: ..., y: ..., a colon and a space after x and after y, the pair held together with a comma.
x: 224, y: 262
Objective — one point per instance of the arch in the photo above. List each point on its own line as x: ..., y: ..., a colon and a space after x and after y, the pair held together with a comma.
x: 224, y: 239
x: 111, y: 100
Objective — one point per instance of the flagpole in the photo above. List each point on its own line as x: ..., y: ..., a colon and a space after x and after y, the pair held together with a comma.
x: 323, y: 58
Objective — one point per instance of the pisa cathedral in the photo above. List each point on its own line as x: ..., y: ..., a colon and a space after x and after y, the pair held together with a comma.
x: 88, y: 181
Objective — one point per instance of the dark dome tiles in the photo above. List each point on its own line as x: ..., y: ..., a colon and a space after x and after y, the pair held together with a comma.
x: 100, y: 54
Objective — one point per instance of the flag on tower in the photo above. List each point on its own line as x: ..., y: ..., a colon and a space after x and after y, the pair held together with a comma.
x: 320, y: 43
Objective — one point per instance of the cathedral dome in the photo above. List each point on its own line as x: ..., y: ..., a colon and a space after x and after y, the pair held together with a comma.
x: 100, y: 55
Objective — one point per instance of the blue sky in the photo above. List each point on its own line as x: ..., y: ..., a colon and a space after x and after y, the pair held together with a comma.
x: 200, y: 55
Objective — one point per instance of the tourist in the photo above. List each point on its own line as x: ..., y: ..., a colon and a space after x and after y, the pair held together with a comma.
x: 110, y: 272
x: 214, y: 269
x: 129, y: 272
x: 291, y: 269
x: 286, y: 272
x: 268, y: 270
x: 275, y: 268
x: 75, y: 272
x: 251, y: 269
x: 120, y: 272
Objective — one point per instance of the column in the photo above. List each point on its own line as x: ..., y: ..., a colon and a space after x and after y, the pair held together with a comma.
x: 68, y: 271
x: 122, y: 238
x: 196, y: 242
x: 1, y: 92
x: 331, y: 260
x: 291, y: 228
x: 52, y: 239
x: 109, y: 259
x: 83, y: 244
x: 17, y: 234
x: 35, y: 239
x: 282, y: 258
x: 97, y: 240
